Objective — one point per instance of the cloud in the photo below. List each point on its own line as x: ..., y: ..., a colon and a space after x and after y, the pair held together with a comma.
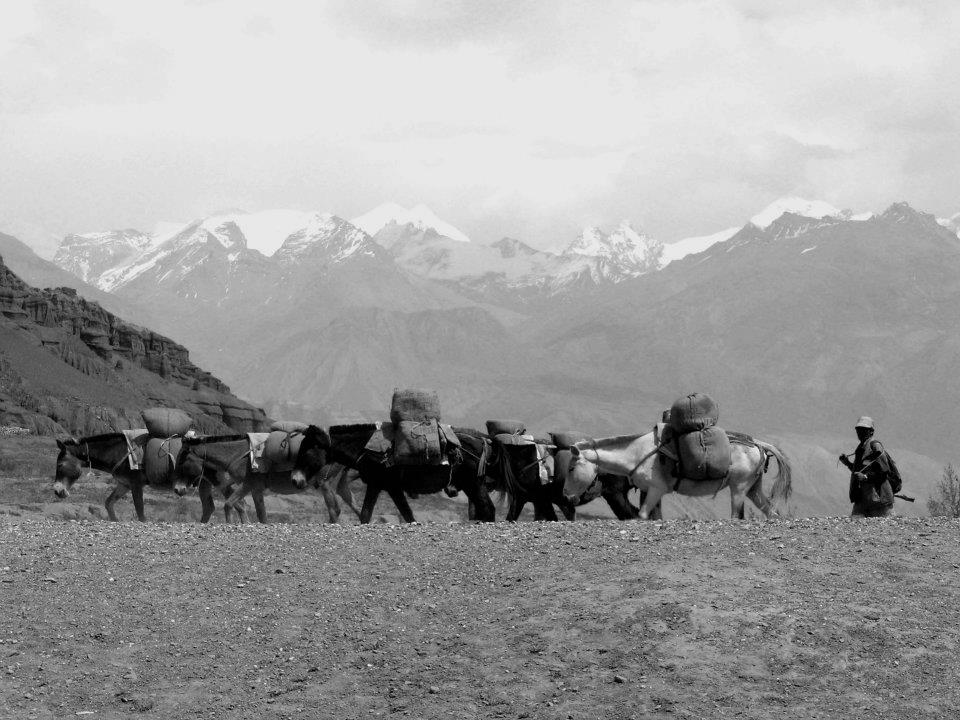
x: 526, y: 119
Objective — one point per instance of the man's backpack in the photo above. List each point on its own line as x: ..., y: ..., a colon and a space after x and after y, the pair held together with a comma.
x: 893, y: 476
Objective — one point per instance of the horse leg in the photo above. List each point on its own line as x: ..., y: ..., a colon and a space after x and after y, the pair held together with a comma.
x: 369, y: 502
x: 400, y: 500
x: 620, y: 504
x: 343, y: 490
x: 543, y: 510
x: 235, y: 497
x: 569, y: 510
x: 737, y: 498
x: 651, y: 503
x: 206, y: 501
x: 755, y: 493
x: 481, y: 506
x: 136, y: 490
x: 330, y: 498
x: 119, y: 491
x: 656, y: 513
x: 516, y: 507
x: 258, y: 504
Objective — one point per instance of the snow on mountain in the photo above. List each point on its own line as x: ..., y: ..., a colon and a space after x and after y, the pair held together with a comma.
x: 693, y: 245
x: 951, y: 223
x: 265, y: 231
x: 190, y: 247
x: 795, y: 205
x: 624, y: 252
x: 336, y: 238
x: 88, y: 255
x: 420, y: 217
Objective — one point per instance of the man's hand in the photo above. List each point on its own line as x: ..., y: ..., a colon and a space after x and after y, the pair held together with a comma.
x: 859, y: 477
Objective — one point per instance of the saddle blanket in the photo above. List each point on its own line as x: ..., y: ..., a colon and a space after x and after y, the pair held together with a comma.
x: 136, y: 441
x: 258, y: 441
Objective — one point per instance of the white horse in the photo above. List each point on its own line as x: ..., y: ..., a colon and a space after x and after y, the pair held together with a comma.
x: 636, y: 457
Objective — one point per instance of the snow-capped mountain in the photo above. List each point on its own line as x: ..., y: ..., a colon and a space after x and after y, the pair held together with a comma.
x: 420, y: 217
x: 796, y: 206
x: 89, y: 255
x: 191, y: 247
x: 693, y: 245
x: 622, y: 253
x: 328, y: 236
x: 951, y: 223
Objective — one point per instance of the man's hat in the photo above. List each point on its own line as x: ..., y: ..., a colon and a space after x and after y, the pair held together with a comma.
x: 865, y: 422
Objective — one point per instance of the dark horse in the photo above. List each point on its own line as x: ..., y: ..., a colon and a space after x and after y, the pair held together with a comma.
x: 520, y: 478
x: 346, y: 444
x: 230, y: 456
x: 109, y: 453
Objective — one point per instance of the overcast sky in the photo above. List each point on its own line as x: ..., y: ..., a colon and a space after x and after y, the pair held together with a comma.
x: 528, y: 119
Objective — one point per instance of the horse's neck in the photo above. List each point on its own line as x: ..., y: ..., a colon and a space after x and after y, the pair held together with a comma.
x: 106, y: 454
x: 624, y: 456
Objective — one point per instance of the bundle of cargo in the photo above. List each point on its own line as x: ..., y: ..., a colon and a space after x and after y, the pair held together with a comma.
x: 415, y: 415
x: 703, y: 449
x: 165, y: 422
x: 283, y: 444
x: 160, y: 459
x: 414, y: 406
x: 166, y: 426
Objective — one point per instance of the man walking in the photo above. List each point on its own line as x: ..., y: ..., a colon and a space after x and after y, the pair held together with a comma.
x: 871, y: 491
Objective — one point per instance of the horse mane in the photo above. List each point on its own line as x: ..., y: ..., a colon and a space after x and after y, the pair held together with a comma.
x: 607, y: 441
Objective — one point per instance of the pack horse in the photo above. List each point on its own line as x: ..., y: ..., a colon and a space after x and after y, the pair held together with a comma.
x: 690, y: 456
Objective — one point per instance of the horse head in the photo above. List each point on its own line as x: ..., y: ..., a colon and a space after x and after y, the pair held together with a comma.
x: 70, y: 466
x: 580, y: 474
x: 312, y: 456
x: 188, y: 469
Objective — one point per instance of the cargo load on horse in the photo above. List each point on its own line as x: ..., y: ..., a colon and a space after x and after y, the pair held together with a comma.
x: 166, y: 422
x: 283, y: 444
x: 160, y: 459
x: 166, y: 427
x: 701, y: 449
x: 415, y: 415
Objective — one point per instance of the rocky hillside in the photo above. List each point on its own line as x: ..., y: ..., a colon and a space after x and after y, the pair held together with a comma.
x: 69, y: 366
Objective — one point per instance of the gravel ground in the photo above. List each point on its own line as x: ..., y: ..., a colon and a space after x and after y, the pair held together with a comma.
x: 821, y: 618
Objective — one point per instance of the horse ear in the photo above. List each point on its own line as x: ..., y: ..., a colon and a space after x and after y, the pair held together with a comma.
x: 575, y: 451
x: 60, y: 444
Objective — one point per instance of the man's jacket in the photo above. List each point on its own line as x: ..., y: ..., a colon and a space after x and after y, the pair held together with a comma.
x: 871, y: 460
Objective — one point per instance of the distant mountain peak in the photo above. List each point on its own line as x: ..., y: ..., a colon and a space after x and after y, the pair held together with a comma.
x: 623, y: 252
x: 329, y: 235
x: 420, y: 216
x: 795, y: 205
x: 511, y: 247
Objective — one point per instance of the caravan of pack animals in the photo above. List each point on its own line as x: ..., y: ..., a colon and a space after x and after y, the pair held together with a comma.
x: 415, y: 454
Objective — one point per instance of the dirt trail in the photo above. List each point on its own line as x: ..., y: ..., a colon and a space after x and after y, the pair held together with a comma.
x: 809, y: 618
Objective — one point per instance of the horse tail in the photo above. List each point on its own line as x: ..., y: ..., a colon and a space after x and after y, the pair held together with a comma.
x: 511, y: 485
x: 783, y: 486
